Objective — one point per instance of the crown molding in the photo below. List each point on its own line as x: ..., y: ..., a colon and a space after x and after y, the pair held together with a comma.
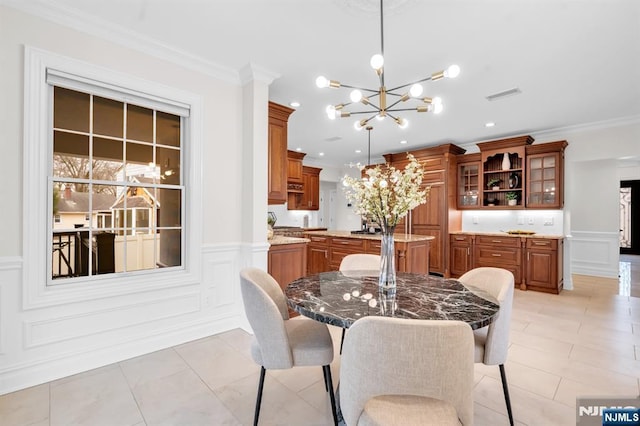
x: 118, y: 34
x: 252, y: 72
x: 594, y: 125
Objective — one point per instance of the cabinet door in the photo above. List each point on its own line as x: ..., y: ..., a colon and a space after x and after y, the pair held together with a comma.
x: 428, y: 219
x: 460, y: 255
x: 544, y: 181
x: 468, y: 190
x: 287, y: 262
x: 541, y: 269
x: 277, y: 162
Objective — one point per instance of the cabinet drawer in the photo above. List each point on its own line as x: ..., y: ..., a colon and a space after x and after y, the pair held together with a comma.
x: 542, y: 243
x: 499, y: 255
x: 498, y: 240
x: 348, y: 242
x: 318, y: 240
x: 373, y: 246
x: 454, y: 238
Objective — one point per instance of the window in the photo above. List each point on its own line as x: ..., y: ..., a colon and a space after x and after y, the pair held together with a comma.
x: 152, y: 111
x: 115, y: 157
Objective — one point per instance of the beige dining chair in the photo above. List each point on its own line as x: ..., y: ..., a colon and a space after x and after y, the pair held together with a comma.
x: 358, y: 262
x: 397, y: 371
x: 492, y: 342
x: 279, y: 342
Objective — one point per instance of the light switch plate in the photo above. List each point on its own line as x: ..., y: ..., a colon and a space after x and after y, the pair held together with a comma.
x: 476, y: 220
x: 548, y: 221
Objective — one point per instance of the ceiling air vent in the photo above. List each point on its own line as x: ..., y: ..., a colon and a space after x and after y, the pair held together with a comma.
x: 504, y: 94
x: 333, y: 139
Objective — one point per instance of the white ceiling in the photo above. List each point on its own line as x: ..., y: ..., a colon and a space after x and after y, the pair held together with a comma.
x: 575, y: 61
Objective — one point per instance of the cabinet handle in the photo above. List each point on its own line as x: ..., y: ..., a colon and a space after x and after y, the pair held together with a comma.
x: 459, y: 238
x: 468, y: 251
x: 540, y: 244
x: 496, y: 241
x: 344, y: 243
x: 496, y: 255
x: 528, y: 256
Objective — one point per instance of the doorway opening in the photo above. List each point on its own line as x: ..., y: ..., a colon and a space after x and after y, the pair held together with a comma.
x: 630, y: 216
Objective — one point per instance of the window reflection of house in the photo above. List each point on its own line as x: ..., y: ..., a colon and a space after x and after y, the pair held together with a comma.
x: 136, y: 213
x: 73, y: 210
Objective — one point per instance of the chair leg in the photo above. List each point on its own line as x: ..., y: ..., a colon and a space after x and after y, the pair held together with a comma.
x: 327, y: 373
x: 507, y: 400
x: 326, y: 384
x: 344, y: 330
x: 259, y: 399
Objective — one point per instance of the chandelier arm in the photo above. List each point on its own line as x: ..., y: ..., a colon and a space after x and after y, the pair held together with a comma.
x: 402, y: 109
x: 359, y: 88
x: 364, y: 112
x: 410, y: 84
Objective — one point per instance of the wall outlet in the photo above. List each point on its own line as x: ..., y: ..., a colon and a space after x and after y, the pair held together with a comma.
x: 476, y: 220
x: 520, y: 220
x: 548, y: 221
x: 531, y: 221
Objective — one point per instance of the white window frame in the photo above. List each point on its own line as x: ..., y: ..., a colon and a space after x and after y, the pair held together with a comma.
x: 38, y: 121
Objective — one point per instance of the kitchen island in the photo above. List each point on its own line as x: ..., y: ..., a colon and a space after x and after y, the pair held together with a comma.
x: 326, y: 250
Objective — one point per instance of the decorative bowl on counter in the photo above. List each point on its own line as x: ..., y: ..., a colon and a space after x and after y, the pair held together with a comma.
x: 519, y: 232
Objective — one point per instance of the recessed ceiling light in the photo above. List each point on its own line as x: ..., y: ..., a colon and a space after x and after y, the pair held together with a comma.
x: 403, y: 142
x: 294, y: 104
x: 358, y: 151
x: 321, y: 154
x: 489, y: 124
x: 298, y: 149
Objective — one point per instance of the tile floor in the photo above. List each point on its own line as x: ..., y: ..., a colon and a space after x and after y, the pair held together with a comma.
x: 584, y: 342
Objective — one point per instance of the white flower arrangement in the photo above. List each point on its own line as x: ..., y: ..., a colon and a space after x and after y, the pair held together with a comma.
x: 386, y: 193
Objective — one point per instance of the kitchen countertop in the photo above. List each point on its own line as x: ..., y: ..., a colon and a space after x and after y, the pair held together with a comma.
x: 401, y: 238
x: 280, y: 240
x: 504, y: 234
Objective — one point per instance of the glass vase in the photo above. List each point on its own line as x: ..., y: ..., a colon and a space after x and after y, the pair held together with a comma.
x: 387, y: 279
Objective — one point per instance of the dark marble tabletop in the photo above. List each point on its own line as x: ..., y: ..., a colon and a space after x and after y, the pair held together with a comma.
x: 340, y: 298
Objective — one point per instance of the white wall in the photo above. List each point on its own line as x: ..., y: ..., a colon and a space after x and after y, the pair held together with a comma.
x: 75, y: 332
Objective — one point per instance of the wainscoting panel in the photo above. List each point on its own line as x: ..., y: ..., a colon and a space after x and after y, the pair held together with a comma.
x: 595, y: 253
x: 38, y: 345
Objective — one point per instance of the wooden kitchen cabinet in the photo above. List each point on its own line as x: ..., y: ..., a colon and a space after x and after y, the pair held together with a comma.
x: 277, y: 153
x: 287, y: 262
x: 294, y: 166
x: 327, y: 249
x: 461, y: 259
x: 503, y: 161
x: 439, y: 216
x: 311, y: 196
x: 536, y: 262
x: 308, y: 198
x: 544, y: 265
x: 318, y: 254
x: 533, y: 173
x: 499, y: 252
x: 469, y: 181
x: 545, y: 175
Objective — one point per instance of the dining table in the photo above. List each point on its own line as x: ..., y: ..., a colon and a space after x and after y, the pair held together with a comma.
x: 341, y: 298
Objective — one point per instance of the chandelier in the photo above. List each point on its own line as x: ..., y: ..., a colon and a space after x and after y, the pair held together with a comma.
x: 383, y: 102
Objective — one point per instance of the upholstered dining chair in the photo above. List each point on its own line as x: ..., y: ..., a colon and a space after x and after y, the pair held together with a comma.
x: 492, y: 342
x: 396, y: 371
x: 281, y: 343
x: 358, y: 262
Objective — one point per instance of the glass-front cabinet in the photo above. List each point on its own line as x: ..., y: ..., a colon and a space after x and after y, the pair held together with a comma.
x: 469, y: 190
x: 545, y: 175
